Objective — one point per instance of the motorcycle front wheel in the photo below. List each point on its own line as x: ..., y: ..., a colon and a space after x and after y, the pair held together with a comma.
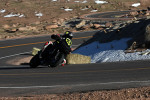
x: 35, y: 61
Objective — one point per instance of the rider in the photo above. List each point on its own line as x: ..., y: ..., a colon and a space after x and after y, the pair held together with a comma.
x: 64, y: 43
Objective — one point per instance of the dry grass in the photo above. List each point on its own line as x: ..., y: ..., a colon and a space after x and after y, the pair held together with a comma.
x: 78, y: 59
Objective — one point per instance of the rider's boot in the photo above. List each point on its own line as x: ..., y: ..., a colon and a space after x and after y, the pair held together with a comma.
x: 64, y: 62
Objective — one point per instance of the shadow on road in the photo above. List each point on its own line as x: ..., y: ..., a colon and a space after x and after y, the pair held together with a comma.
x: 24, y: 64
x: 18, y: 67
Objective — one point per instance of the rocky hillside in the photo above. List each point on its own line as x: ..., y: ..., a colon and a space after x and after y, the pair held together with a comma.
x: 19, y: 18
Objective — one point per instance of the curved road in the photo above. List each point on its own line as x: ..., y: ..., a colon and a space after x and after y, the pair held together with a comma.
x: 24, y: 81
x: 109, y: 16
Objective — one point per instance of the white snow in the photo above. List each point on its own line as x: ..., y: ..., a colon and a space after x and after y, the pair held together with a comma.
x: 136, y: 4
x: 110, y: 52
x: 94, y: 10
x: 54, y: 0
x: 68, y: 9
x: 84, y: 1
x: 84, y: 8
x: 81, y: 1
x: 38, y: 14
x: 14, y: 15
x: 100, y: 2
x: 2, y: 10
x: 77, y: 1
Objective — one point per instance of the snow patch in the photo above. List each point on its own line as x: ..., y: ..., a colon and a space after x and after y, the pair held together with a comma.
x: 136, y: 4
x: 94, y: 10
x: 84, y: 1
x: 54, y: 0
x: 68, y: 9
x: 14, y: 15
x: 100, y: 2
x: 85, y: 9
x: 39, y: 15
x: 110, y: 52
x: 2, y: 11
x: 77, y: 1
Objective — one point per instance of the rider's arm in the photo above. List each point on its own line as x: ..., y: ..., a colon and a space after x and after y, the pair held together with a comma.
x: 65, y: 47
x: 56, y: 37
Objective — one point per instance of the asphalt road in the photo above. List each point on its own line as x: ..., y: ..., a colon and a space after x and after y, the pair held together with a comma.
x: 109, y: 16
x: 24, y: 81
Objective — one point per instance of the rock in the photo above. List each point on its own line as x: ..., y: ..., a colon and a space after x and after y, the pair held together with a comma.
x: 66, y: 7
x: 147, y: 36
x: 7, y: 37
x: 147, y: 13
x: 6, y: 26
x: 78, y: 59
x: 85, y: 27
x: 60, y: 21
x: 88, y: 6
x: 148, y: 17
x: 13, y: 30
x: 91, y: 25
x: 108, y: 24
x: 116, y: 27
x: 100, y: 28
x: 28, y: 28
x: 55, y: 21
x: 129, y: 21
x: 134, y: 13
x: 14, y: 25
x: 82, y: 23
x: 136, y: 21
x: 96, y: 26
x: 23, y: 29
x: 37, y: 22
x: 49, y: 27
x: 32, y: 28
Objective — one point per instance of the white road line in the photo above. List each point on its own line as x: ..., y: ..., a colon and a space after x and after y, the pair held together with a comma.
x: 14, y: 55
x: 77, y: 85
x: 24, y: 53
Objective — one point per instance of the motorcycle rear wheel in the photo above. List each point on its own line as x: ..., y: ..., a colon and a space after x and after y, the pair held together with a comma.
x: 35, y: 61
x: 59, y: 60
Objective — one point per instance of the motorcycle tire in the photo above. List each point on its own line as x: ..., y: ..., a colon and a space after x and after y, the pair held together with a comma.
x: 35, y: 61
x: 59, y: 60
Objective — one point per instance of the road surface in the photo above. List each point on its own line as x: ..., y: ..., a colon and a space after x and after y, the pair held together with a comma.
x: 24, y: 81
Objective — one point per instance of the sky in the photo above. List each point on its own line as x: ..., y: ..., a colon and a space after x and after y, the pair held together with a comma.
x: 111, y: 52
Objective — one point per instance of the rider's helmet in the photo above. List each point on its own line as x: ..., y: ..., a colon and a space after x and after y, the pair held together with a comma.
x: 68, y: 34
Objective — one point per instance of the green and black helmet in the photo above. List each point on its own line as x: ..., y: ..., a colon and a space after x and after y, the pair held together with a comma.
x: 68, y: 34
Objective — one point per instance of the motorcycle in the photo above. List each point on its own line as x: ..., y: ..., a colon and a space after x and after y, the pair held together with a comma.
x: 50, y: 55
